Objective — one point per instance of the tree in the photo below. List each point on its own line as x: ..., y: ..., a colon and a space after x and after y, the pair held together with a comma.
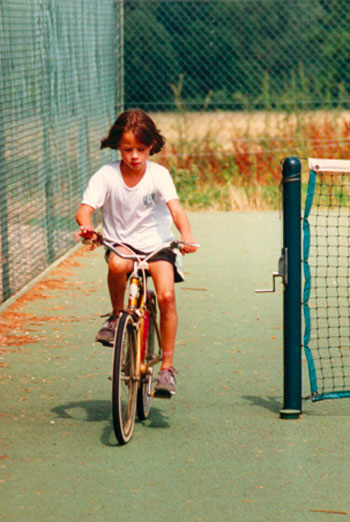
x: 150, y: 60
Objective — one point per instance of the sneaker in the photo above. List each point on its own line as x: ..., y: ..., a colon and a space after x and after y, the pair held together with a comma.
x: 165, y: 385
x: 106, y: 334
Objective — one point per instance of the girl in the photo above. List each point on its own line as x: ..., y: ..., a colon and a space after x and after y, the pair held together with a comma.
x: 139, y: 203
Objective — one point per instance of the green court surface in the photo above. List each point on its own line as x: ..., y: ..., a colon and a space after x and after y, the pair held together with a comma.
x: 218, y: 450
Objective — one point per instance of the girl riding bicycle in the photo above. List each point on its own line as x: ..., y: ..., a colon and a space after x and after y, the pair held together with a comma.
x: 139, y: 202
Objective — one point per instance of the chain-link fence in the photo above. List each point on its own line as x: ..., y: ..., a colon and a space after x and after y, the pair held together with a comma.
x: 237, y: 54
x: 234, y: 85
x: 57, y: 100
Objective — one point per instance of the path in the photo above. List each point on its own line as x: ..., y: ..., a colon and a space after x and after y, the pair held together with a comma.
x: 217, y: 451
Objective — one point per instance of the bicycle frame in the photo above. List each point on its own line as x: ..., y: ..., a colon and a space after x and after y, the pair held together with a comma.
x: 133, y: 349
x: 138, y: 307
x: 137, y: 299
x: 137, y: 303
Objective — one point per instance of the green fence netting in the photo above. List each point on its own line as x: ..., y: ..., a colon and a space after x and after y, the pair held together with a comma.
x: 234, y: 85
x: 237, y: 54
x: 57, y: 99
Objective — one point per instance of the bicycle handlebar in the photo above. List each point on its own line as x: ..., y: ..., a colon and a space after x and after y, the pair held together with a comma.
x: 176, y: 243
x: 137, y: 257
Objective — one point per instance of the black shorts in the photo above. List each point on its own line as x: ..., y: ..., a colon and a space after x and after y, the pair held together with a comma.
x: 166, y: 254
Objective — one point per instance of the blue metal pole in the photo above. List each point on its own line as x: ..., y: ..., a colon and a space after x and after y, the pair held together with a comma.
x: 291, y: 174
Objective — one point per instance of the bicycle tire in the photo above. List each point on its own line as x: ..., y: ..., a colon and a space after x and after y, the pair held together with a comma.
x: 124, y: 384
x: 143, y: 398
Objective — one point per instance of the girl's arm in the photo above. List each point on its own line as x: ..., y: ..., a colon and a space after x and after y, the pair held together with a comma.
x: 182, y: 223
x: 83, y: 218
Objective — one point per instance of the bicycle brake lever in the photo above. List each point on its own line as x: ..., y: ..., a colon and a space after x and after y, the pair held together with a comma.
x: 179, y: 242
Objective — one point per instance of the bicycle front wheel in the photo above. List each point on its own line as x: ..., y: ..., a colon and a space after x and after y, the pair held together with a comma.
x: 124, y: 384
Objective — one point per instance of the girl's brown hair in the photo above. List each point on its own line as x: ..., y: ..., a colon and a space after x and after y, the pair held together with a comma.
x: 140, y: 124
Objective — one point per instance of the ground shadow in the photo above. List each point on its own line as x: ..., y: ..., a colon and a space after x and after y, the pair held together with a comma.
x: 101, y: 411
x: 156, y: 419
x: 317, y: 409
x: 95, y: 411
x: 270, y: 403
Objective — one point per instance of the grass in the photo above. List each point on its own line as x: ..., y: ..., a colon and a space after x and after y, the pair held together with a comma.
x: 242, y: 170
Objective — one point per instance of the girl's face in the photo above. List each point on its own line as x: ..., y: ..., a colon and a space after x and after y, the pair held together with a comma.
x: 134, y: 153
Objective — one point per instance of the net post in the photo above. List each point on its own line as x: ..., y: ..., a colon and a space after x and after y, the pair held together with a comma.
x: 291, y: 179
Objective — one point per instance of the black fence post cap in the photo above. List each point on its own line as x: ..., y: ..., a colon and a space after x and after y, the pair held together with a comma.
x: 291, y: 167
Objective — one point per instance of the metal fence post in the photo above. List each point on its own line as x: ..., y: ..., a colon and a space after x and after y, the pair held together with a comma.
x: 120, y: 57
x: 5, y: 248
x: 291, y: 173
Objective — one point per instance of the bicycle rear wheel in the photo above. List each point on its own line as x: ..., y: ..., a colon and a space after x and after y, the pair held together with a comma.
x: 124, y: 384
x: 143, y: 396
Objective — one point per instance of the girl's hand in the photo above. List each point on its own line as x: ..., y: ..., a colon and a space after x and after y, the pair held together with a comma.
x: 190, y: 247
x: 89, y: 236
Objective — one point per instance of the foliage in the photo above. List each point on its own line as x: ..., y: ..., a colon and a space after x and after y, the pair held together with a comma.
x: 248, y: 175
x: 236, y: 54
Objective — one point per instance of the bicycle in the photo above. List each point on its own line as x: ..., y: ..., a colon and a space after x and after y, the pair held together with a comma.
x: 134, y: 354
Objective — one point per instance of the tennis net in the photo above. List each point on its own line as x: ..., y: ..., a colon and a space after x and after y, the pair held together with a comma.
x: 326, y: 300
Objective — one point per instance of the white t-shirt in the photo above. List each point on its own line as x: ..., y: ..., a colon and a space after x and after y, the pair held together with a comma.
x: 139, y: 215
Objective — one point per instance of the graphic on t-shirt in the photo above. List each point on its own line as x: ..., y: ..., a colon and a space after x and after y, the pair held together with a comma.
x: 149, y: 200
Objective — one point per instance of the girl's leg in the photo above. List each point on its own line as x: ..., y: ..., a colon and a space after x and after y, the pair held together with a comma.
x: 162, y: 274
x: 117, y: 271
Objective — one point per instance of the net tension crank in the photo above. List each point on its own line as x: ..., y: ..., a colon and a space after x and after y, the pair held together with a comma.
x: 282, y: 272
